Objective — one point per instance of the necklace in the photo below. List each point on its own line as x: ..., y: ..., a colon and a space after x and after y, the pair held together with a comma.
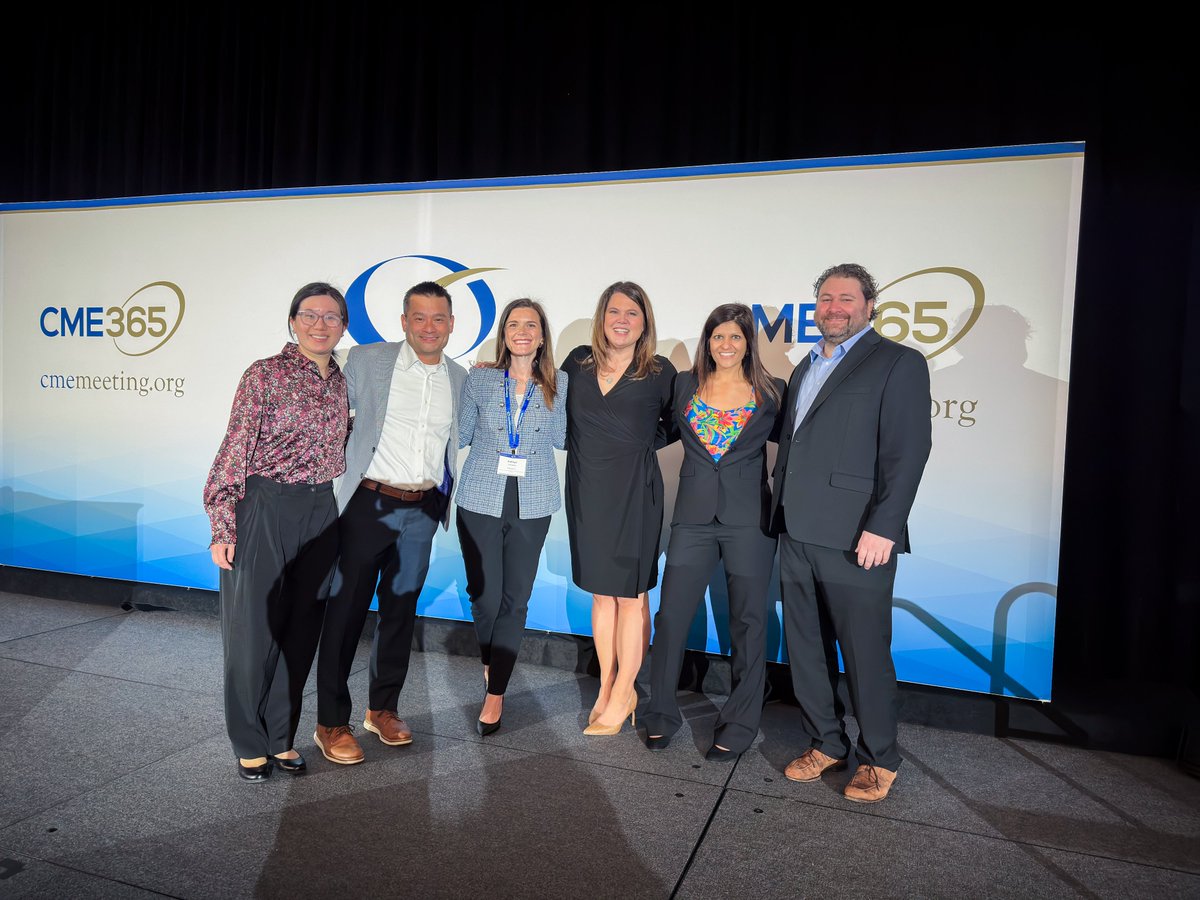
x: 612, y: 373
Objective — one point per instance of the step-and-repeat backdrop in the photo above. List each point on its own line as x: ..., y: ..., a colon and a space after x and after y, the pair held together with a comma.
x: 127, y: 323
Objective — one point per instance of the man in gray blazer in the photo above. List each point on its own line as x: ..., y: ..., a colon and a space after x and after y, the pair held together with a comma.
x: 854, y: 442
x: 401, y: 464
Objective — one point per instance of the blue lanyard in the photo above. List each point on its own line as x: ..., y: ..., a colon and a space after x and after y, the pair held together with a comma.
x: 514, y: 436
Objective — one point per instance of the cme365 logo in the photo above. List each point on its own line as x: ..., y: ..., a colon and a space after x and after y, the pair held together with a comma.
x: 151, y: 315
x: 381, y: 306
x: 147, y: 319
x: 932, y: 309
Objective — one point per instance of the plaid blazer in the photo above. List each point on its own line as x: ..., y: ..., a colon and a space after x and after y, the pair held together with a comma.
x: 481, y: 426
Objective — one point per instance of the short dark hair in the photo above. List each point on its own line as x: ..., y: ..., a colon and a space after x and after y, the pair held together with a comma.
x: 319, y: 289
x: 865, y: 280
x: 428, y: 289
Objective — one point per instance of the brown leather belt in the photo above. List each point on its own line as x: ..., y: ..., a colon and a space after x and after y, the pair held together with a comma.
x: 399, y: 493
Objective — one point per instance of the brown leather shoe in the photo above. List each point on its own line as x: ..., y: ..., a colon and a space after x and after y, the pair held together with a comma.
x: 811, y: 764
x: 389, y: 726
x: 338, y: 744
x: 870, y: 784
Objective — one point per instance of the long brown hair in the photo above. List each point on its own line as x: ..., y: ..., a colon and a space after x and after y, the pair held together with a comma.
x: 752, y: 367
x: 644, y: 362
x: 545, y: 373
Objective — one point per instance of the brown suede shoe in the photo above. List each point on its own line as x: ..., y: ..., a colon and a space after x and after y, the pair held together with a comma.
x: 811, y: 764
x: 870, y: 784
x: 338, y: 744
x: 389, y: 726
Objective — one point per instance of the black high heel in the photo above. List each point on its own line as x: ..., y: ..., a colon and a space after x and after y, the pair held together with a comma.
x: 486, y: 728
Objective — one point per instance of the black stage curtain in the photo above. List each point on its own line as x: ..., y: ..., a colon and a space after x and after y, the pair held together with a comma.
x: 191, y: 98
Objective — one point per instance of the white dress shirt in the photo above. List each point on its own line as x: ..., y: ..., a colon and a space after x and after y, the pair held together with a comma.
x: 416, y: 428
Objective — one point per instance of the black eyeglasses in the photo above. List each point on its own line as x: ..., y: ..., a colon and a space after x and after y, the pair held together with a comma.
x: 308, y: 317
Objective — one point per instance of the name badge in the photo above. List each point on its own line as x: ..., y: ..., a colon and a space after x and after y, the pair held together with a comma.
x: 511, y: 465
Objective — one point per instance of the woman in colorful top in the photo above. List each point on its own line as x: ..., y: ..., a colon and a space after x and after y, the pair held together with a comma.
x: 512, y: 415
x: 726, y: 409
x: 269, y: 497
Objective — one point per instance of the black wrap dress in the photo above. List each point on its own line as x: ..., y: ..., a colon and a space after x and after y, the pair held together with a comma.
x: 614, y: 491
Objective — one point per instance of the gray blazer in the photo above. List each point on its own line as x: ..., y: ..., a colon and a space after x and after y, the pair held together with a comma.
x: 368, y: 372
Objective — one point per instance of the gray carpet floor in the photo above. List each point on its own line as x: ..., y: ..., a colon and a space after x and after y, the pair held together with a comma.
x: 116, y: 780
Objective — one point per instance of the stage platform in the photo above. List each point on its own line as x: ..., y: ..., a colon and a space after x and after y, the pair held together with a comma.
x: 116, y: 780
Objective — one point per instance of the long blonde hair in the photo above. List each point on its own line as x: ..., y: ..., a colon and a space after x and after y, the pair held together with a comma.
x: 545, y: 373
x: 644, y: 362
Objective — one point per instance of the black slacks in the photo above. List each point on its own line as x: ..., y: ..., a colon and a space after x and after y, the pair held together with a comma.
x: 828, y: 597
x: 272, y: 602
x: 692, y: 556
x: 384, y: 551
x: 501, y: 558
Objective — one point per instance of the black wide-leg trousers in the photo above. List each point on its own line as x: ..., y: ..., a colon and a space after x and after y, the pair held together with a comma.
x: 501, y: 559
x: 272, y: 604
x: 692, y: 556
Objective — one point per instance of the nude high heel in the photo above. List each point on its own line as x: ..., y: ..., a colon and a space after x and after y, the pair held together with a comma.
x: 597, y: 729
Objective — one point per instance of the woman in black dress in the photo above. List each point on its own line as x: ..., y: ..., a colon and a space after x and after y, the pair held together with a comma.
x: 618, y: 410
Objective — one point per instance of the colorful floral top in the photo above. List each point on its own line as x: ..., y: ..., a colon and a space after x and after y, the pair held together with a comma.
x: 288, y: 424
x: 717, y: 429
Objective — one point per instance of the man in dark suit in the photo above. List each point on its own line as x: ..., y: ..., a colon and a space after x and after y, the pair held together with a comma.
x: 855, y: 439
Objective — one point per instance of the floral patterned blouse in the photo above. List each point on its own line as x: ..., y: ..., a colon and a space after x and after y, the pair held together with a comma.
x: 717, y: 429
x: 288, y: 424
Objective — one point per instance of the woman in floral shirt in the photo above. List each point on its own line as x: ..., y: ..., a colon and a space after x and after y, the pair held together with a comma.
x: 725, y: 410
x: 270, y: 499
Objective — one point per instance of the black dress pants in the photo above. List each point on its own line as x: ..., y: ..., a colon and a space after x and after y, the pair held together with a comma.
x: 501, y: 558
x: 272, y: 602
x: 384, y: 551
x: 692, y: 556
x: 829, y: 598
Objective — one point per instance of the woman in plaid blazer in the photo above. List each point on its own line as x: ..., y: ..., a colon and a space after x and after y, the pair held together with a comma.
x: 513, y: 414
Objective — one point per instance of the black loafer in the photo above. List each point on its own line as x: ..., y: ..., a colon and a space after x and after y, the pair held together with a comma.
x: 717, y: 754
x: 291, y: 766
x: 254, y: 773
x: 655, y: 744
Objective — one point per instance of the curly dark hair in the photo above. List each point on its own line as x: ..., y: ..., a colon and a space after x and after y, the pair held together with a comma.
x: 851, y: 270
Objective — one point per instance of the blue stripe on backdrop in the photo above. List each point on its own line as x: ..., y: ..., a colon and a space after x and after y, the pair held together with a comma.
x: 923, y: 157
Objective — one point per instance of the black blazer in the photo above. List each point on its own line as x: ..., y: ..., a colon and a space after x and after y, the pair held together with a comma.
x: 856, y: 460
x: 734, y: 489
